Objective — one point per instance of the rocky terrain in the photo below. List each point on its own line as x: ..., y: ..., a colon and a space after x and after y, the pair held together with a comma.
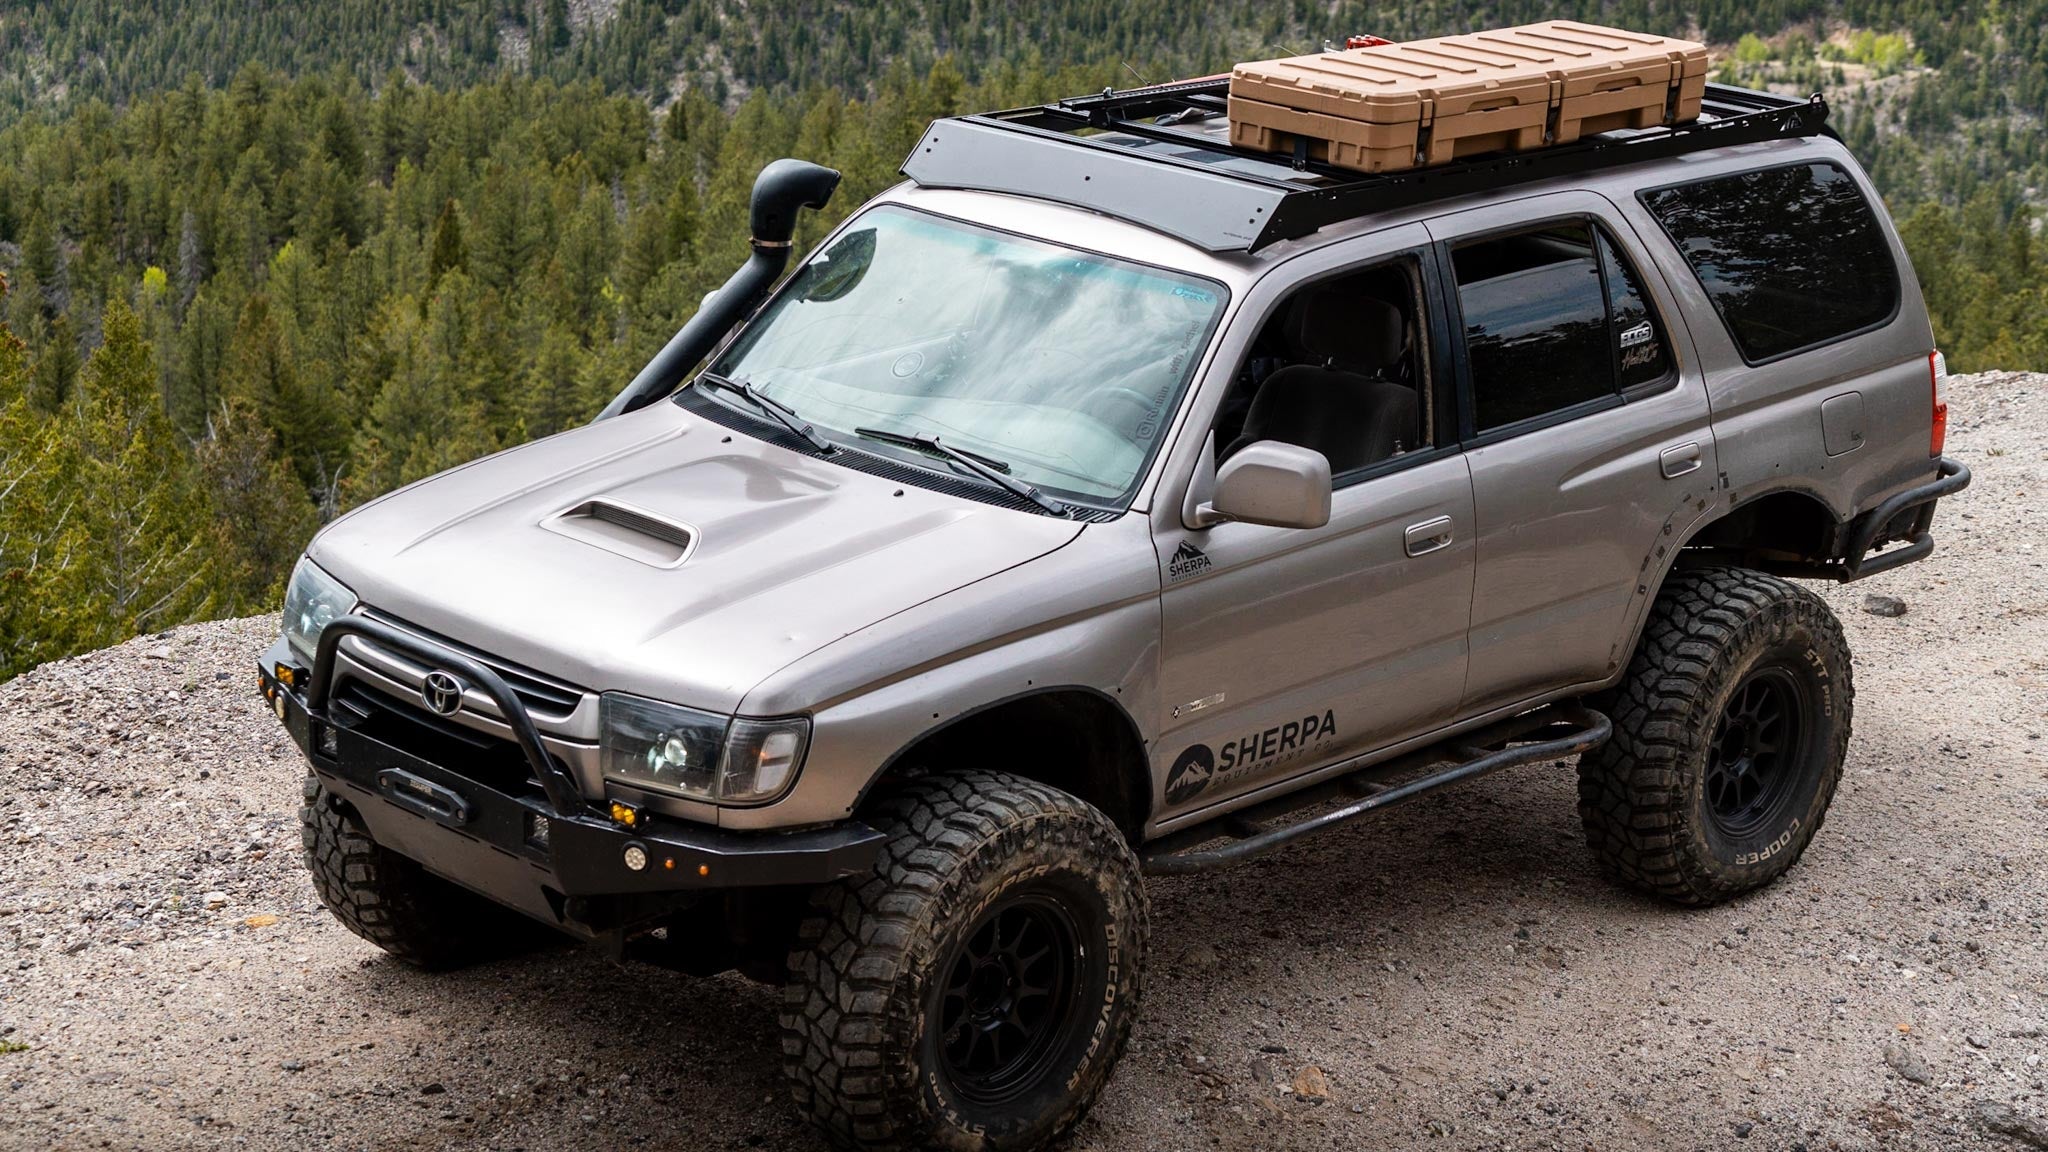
x: 1454, y: 976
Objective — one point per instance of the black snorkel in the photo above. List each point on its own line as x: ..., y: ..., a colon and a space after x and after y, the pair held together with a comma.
x: 780, y: 192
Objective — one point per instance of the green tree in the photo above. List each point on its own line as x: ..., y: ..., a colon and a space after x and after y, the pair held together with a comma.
x: 263, y: 516
x: 446, y: 251
x: 146, y: 523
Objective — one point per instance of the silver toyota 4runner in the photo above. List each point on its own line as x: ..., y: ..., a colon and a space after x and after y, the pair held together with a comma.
x: 1106, y: 500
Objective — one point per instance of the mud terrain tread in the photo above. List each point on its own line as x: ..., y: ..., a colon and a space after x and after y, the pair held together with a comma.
x: 1632, y: 793
x: 394, y: 903
x: 842, y: 1009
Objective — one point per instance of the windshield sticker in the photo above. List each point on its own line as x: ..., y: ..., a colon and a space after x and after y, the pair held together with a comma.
x: 1199, y: 766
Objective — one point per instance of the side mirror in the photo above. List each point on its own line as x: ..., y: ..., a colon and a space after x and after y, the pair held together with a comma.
x: 1271, y: 483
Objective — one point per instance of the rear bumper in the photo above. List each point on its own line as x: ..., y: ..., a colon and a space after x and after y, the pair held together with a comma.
x: 1906, y: 516
x: 566, y: 864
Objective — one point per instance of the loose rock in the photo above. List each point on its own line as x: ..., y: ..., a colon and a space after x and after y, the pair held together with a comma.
x: 2003, y: 1120
x: 1907, y: 1064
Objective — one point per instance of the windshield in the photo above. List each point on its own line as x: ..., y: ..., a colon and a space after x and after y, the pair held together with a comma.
x: 1061, y: 365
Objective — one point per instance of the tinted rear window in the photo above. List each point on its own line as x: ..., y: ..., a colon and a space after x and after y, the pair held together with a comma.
x: 1791, y: 257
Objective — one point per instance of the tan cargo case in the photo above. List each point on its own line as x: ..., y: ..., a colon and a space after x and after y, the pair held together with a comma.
x: 1433, y: 101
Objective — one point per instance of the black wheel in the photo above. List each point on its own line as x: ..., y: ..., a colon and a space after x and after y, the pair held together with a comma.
x: 1729, y: 731
x: 977, y: 989
x: 397, y: 905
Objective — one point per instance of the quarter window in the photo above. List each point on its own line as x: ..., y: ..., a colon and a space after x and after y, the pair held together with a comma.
x: 1639, y: 355
x: 1792, y: 257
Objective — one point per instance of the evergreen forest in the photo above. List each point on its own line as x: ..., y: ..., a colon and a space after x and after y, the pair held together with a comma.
x: 260, y: 263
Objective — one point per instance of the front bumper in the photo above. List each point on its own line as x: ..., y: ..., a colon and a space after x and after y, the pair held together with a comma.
x: 548, y: 852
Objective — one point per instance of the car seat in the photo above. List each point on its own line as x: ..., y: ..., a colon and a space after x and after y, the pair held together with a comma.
x: 1336, y: 401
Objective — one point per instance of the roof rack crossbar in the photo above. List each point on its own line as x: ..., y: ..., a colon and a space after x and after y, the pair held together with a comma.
x: 1087, y: 152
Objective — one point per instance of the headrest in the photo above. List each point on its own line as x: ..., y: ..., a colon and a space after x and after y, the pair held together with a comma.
x: 1360, y: 333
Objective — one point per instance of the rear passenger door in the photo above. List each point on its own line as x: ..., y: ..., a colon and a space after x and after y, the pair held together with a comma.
x: 1586, y: 427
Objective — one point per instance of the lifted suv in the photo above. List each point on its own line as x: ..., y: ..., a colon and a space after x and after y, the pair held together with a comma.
x: 1108, y: 500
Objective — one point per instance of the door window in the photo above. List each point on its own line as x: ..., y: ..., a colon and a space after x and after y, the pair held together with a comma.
x: 1341, y: 366
x: 1536, y: 323
x: 1554, y: 318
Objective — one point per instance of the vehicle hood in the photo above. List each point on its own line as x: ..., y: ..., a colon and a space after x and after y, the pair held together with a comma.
x: 790, y: 553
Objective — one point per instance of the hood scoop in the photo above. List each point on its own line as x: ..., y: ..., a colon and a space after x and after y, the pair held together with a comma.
x: 625, y: 530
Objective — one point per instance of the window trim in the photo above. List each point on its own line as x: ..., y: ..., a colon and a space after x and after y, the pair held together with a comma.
x: 1885, y: 242
x: 1469, y: 435
x: 1442, y: 390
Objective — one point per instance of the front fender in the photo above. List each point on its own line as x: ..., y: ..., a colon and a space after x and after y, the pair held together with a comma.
x: 1083, y: 616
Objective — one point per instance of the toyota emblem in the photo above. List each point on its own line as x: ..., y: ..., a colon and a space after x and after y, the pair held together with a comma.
x: 442, y: 693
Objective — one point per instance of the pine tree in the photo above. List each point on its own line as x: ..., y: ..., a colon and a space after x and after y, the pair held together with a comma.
x: 146, y: 520
x: 47, y: 609
x: 426, y: 417
x: 191, y: 261
x: 551, y: 395
x: 263, y: 517
x: 55, y: 368
x: 555, y: 27
x: 446, y: 251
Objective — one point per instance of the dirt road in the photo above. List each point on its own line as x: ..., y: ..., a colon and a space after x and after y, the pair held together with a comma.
x: 1456, y: 973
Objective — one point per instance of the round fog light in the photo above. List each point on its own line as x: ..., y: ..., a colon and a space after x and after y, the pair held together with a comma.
x: 636, y: 857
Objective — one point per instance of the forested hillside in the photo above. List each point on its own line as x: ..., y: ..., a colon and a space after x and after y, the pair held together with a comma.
x: 264, y: 262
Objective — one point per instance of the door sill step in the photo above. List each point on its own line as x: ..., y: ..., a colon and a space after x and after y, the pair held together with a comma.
x: 1547, y: 733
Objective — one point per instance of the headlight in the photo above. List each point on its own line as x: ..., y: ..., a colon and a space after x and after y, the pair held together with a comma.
x: 699, y: 755
x: 312, y: 601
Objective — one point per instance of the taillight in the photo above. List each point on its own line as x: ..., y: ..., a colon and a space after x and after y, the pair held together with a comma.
x: 1937, y: 382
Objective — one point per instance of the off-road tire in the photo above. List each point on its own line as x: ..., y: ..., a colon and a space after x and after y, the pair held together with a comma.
x: 394, y: 903
x: 1648, y: 796
x: 872, y: 976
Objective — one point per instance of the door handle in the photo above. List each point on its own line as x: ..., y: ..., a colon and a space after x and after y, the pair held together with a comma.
x: 1427, y: 536
x: 1677, y: 461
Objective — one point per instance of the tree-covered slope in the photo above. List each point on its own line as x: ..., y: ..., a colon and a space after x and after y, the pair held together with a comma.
x: 265, y: 261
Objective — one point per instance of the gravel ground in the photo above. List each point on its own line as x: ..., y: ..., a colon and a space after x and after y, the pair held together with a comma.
x: 1452, y: 977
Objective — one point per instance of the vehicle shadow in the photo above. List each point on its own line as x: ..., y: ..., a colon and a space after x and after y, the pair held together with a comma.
x: 1460, y: 895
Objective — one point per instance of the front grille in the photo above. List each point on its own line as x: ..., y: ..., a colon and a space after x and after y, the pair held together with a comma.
x: 489, y: 760
x: 537, y: 692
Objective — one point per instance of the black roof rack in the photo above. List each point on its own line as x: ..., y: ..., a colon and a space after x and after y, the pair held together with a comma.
x: 1161, y: 157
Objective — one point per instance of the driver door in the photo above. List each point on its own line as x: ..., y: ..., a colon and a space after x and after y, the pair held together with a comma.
x: 1285, y: 650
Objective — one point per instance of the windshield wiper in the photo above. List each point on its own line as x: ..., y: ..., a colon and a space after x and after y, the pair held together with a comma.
x: 988, y: 468
x: 783, y: 413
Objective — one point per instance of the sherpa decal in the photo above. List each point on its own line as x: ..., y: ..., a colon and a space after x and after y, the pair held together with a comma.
x: 1187, y: 561
x: 1190, y: 774
x: 1199, y: 766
